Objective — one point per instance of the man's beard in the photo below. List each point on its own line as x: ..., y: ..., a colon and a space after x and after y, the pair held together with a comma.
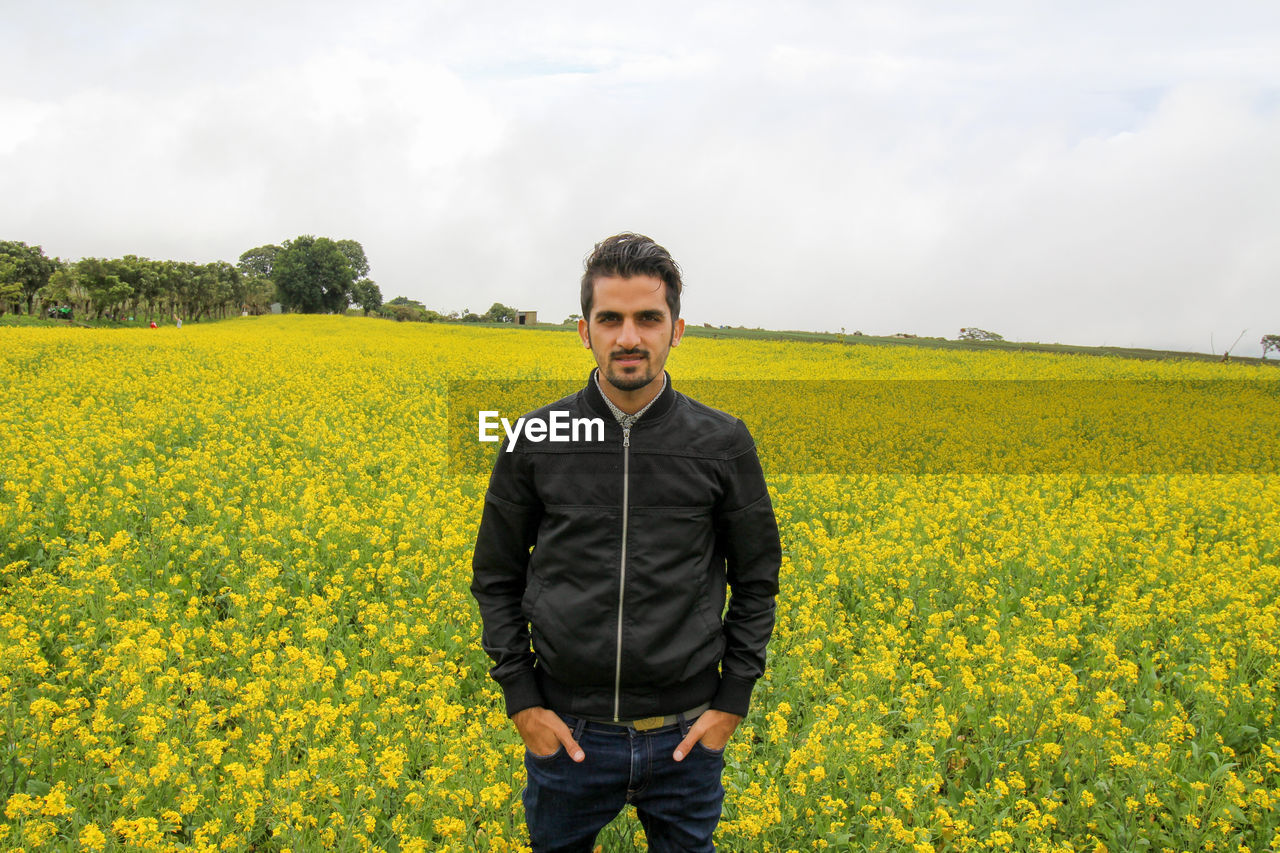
x: 623, y: 383
x: 632, y: 382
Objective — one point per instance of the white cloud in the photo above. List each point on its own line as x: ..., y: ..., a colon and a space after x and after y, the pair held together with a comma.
x: 1078, y: 173
x: 336, y: 142
x: 1152, y: 236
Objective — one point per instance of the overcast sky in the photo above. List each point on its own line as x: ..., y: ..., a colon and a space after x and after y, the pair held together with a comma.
x: 1081, y: 172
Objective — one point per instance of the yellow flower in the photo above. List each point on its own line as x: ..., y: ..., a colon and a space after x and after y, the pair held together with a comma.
x: 235, y: 589
x: 91, y: 837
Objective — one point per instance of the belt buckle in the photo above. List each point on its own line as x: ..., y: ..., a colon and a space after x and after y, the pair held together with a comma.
x: 648, y: 723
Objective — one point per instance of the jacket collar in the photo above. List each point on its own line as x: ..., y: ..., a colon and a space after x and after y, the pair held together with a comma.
x: 661, y: 404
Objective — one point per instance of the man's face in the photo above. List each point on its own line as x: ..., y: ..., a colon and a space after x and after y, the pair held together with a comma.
x: 630, y: 330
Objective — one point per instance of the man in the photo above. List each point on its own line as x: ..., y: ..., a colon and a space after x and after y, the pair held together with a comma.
x: 600, y: 569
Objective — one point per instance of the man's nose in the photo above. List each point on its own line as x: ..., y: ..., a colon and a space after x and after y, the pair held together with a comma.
x: 629, y: 337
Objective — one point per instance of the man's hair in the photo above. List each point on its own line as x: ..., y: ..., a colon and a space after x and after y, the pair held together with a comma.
x: 627, y: 255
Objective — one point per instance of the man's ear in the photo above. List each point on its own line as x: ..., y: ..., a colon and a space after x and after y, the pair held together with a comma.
x: 584, y: 332
x: 677, y: 332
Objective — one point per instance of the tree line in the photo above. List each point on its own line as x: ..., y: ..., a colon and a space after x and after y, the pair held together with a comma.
x: 307, y: 274
x: 403, y: 308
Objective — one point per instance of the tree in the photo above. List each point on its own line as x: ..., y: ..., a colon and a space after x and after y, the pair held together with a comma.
x: 259, y: 262
x: 313, y: 275
x: 499, y: 313
x: 1269, y: 343
x: 140, y: 275
x: 256, y: 267
x: 150, y: 287
x: 404, y: 300
x: 402, y: 313
x: 174, y: 284
x: 64, y: 288
x: 10, y: 289
x: 259, y: 294
x: 237, y: 287
x: 31, y: 269
x: 104, y: 287
x: 403, y: 308
x: 354, y: 253
x: 218, y: 285
x: 366, y: 294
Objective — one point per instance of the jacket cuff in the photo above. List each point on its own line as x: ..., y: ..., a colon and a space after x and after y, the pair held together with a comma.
x: 522, y: 692
x: 734, y: 695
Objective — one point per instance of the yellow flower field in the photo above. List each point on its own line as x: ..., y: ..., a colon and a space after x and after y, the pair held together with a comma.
x: 1029, y: 602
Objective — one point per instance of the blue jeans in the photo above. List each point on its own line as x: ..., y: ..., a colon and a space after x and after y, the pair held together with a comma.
x: 567, y: 803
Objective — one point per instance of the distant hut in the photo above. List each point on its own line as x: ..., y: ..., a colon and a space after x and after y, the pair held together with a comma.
x: 526, y: 318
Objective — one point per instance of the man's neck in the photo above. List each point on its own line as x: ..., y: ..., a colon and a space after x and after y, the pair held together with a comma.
x: 631, y: 401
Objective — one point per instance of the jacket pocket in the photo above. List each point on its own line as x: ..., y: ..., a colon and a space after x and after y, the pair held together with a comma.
x: 533, y: 589
x: 674, y: 595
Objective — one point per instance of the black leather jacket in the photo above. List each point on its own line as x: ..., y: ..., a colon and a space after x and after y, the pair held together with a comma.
x: 616, y: 554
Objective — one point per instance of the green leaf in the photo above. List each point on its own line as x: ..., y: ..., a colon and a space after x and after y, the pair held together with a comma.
x: 1221, y: 769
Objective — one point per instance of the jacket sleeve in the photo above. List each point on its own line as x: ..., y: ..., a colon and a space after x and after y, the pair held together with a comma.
x: 747, y: 534
x: 499, y: 571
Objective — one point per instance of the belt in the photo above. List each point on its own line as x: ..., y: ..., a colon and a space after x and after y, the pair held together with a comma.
x: 648, y: 724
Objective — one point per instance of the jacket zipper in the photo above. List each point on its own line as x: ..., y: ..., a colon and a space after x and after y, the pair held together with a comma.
x: 622, y: 566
